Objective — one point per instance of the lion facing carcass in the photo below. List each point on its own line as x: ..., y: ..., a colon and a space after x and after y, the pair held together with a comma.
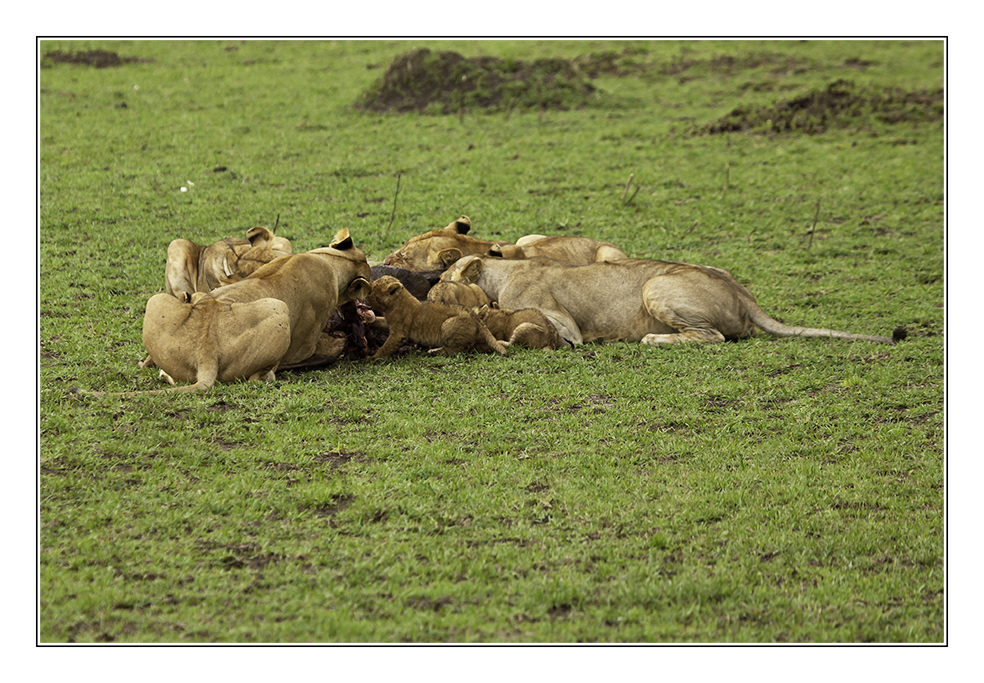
x: 247, y: 329
x: 655, y: 302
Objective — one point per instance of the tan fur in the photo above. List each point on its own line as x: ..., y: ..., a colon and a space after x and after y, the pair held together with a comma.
x: 527, y: 327
x: 194, y: 268
x: 573, y: 250
x: 655, y: 302
x: 446, y: 327
x: 469, y: 296
x: 438, y: 249
x: 247, y: 329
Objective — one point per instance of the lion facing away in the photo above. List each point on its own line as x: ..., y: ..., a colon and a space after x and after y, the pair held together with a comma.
x: 247, y: 329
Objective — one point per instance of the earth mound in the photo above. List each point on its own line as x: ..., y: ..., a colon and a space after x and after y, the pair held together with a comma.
x: 447, y: 82
x: 100, y: 59
x: 840, y: 105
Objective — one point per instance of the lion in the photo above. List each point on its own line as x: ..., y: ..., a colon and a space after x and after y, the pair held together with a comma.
x: 655, y: 302
x: 438, y: 249
x: 527, y: 327
x: 574, y: 250
x: 469, y: 296
x: 445, y: 328
x: 192, y: 268
x: 247, y: 329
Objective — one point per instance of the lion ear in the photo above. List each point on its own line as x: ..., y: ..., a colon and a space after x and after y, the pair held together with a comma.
x: 462, y: 225
x: 495, y: 250
x: 342, y: 240
x: 471, y: 271
x: 446, y: 257
x: 359, y: 288
x: 259, y: 236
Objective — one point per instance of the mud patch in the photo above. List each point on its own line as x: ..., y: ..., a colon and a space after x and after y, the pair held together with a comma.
x: 336, y: 460
x: 335, y: 505
x: 446, y: 82
x: 840, y: 105
x: 101, y: 59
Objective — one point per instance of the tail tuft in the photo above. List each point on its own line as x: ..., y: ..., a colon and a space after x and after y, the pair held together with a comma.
x: 899, y: 333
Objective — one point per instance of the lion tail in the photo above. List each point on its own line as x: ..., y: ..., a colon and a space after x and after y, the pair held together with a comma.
x: 203, y: 384
x: 766, y: 323
x: 206, y: 376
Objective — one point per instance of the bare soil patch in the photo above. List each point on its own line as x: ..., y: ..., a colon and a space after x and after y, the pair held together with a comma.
x: 840, y: 105
x: 101, y: 59
x: 446, y: 82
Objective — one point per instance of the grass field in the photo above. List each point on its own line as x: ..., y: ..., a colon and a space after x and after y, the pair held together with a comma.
x: 771, y: 490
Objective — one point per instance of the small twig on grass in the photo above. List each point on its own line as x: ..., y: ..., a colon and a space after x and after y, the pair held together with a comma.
x: 690, y: 229
x: 813, y: 228
x: 634, y: 193
x: 276, y: 223
x: 629, y: 182
x: 393, y: 215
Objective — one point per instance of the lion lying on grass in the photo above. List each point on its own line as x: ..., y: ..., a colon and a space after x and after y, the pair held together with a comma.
x: 445, y: 328
x: 194, y: 268
x: 573, y: 250
x: 654, y: 302
x: 527, y: 327
x: 438, y: 249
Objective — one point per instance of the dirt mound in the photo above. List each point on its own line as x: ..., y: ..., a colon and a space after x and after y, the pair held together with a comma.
x: 778, y: 64
x: 100, y: 59
x: 447, y: 82
x: 841, y: 105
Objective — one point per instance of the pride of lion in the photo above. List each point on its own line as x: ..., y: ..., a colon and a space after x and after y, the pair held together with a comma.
x: 240, y: 309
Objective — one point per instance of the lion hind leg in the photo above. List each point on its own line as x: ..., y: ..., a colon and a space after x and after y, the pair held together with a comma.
x: 489, y: 338
x: 689, y: 309
x: 265, y: 375
x: 692, y: 335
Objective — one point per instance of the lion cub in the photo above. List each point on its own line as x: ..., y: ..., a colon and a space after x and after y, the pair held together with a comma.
x: 469, y: 296
x: 443, y: 327
x: 527, y: 327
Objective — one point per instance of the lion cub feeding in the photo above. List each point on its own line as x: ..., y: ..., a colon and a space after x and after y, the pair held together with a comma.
x: 442, y: 327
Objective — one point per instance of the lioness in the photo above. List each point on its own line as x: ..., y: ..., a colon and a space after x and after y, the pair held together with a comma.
x: 247, y: 329
x: 194, y: 268
x: 438, y: 249
x: 654, y: 302
x: 527, y: 327
x: 574, y: 250
x: 443, y: 327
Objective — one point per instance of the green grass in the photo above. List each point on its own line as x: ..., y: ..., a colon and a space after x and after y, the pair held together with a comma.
x: 763, y: 491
